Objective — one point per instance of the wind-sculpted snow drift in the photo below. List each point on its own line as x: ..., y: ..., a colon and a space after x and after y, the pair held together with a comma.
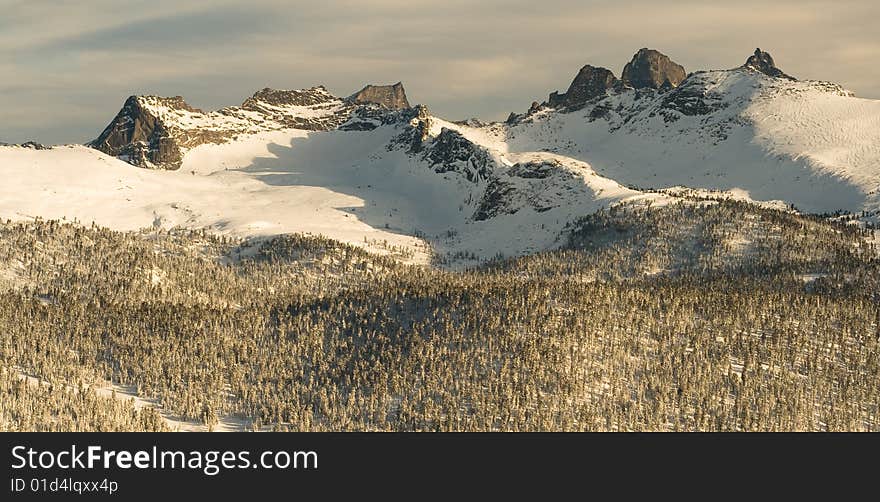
x: 373, y: 171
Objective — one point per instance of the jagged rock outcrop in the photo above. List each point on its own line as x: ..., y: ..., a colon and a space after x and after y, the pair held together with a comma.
x: 682, y: 94
x: 280, y: 97
x: 369, y: 117
x: 652, y: 69
x: 421, y: 124
x: 590, y: 83
x: 139, y: 136
x: 763, y: 62
x: 283, y: 108
x: 392, y: 97
x: 693, y: 98
x: 535, y: 169
x: 416, y: 121
x: 450, y: 151
x: 34, y: 145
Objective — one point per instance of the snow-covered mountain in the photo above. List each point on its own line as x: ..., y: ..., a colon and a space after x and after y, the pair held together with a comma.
x: 372, y: 170
x: 752, y: 129
x: 156, y: 132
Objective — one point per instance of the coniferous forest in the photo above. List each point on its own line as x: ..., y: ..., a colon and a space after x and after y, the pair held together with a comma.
x: 698, y: 316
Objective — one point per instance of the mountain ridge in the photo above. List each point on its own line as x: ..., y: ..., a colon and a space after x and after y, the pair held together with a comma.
x: 155, y: 132
x: 308, y: 161
x: 145, y: 134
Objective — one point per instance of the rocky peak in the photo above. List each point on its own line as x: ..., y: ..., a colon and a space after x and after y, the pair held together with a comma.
x: 138, y: 135
x: 590, y: 82
x: 763, y: 62
x: 390, y: 96
x: 652, y: 69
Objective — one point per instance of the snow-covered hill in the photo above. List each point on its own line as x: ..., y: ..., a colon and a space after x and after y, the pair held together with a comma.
x: 372, y: 171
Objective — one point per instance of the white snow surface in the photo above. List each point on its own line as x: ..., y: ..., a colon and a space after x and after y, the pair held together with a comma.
x: 343, y: 185
x: 79, y: 183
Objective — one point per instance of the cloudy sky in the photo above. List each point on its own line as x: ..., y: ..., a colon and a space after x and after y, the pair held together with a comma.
x: 66, y: 66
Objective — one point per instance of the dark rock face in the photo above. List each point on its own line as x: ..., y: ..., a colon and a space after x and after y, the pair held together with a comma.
x: 139, y: 137
x: 534, y: 169
x: 590, y: 83
x: 422, y: 123
x: 367, y: 118
x: 35, y: 146
x: 271, y: 103
x: 392, y: 97
x: 417, y: 123
x: 763, y: 62
x: 507, y: 194
x: 276, y: 97
x: 652, y: 69
x: 493, y: 203
x: 450, y: 151
x: 691, y: 99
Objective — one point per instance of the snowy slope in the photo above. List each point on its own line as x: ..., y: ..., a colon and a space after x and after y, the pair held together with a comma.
x: 362, y: 187
x: 456, y: 195
x: 83, y: 184
x: 810, y: 144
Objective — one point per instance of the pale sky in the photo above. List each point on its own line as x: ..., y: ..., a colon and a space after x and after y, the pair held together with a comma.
x: 66, y: 66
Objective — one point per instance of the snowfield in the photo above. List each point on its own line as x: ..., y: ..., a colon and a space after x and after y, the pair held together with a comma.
x: 343, y: 185
x: 78, y: 183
